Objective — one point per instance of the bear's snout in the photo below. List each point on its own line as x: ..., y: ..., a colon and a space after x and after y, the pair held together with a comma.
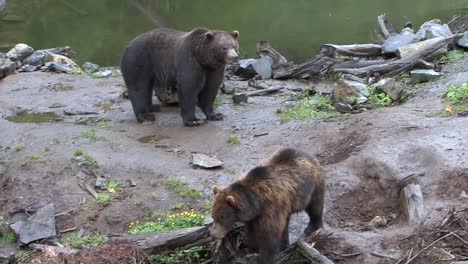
x: 232, y: 56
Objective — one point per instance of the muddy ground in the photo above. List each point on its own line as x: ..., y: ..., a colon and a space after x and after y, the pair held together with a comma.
x: 365, y: 157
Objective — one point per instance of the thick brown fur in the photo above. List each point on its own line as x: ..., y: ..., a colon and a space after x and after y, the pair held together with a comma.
x: 189, y: 63
x: 288, y: 182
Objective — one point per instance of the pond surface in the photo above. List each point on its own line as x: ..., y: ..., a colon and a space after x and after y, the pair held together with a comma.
x: 98, y: 30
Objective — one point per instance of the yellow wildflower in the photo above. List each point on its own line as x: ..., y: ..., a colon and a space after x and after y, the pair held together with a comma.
x: 448, y: 109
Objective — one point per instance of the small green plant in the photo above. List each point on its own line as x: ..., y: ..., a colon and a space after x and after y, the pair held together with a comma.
x: 452, y: 56
x: 104, y: 197
x: 34, y: 157
x: 182, y: 189
x: 21, y: 256
x: 233, y: 140
x: 75, y: 241
x: 75, y: 72
x: 31, y: 159
x: 378, y: 99
x: 85, y: 159
x: 456, y: 94
x: 19, y: 147
x: 56, y: 142
x: 170, y: 222
x: 177, y: 206
x: 105, y: 125
x: 112, y: 185
x: 197, y: 254
x: 46, y: 149
x: 90, y: 134
x: 317, y: 107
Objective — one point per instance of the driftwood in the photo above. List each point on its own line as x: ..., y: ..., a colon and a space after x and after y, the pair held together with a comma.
x: 155, y: 242
x: 411, y: 50
x: 89, y: 189
x: 312, y: 254
x: 52, y: 249
x: 385, y: 27
x: 264, y: 49
x: 355, y: 50
x: 238, y: 98
x: 412, y: 203
x: 316, y: 67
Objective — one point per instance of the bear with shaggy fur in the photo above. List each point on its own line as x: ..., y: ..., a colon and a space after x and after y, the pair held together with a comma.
x: 288, y: 182
x: 189, y: 63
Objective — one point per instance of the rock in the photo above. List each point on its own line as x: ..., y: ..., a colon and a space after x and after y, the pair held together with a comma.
x: 343, y: 93
x: 361, y: 100
x: 390, y: 87
x: 7, y: 254
x: 66, y: 61
x: 19, y: 52
x: 101, y: 183
x: 89, y: 67
x: 377, y: 222
x: 263, y: 67
x: 390, y: 45
x: 433, y: 29
x: 343, y: 108
x: 360, y: 88
x: 65, y: 51
x: 27, y: 68
x: 205, y: 161
x: 418, y: 76
x: 56, y: 67
x: 102, y: 74
x: 239, y: 98
x: 38, y: 58
x: 38, y: 226
x: 2, y: 55
x: 463, y: 41
x: 2, y: 5
x: 7, y: 67
x: 245, y: 69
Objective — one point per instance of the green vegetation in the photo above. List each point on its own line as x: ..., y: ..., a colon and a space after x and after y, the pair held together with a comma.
x: 21, y: 256
x: 85, y: 159
x: 7, y: 236
x: 177, y: 206
x: 233, y: 140
x: 104, y: 125
x: 31, y: 159
x: 170, y: 222
x: 181, y: 189
x: 218, y: 101
x: 457, y: 98
x: 91, y: 135
x: 197, y: 254
x: 378, y: 98
x: 103, y: 197
x: 112, y: 185
x: 19, y: 147
x: 316, y: 107
x: 452, y: 56
x: 36, y: 118
x: 75, y: 241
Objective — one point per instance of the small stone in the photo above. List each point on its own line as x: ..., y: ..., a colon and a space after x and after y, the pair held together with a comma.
x: 245, y: 69
x: 56, y: 67
x: 27, y: 68
x: 377, y: 222
x: 391, y: 44
x: 418, y: 76
x: 101, y: 183
x: 390, y: 87
x: 205, y: 161
x: 7, y: 67
x: 19, y: 52
x: 360, y: 88
x: 343, y: 108
x: 7, y: 254
x: 208, y: 220
x: 463, y: 41
x: 239, y: 98
x: 89, y: 67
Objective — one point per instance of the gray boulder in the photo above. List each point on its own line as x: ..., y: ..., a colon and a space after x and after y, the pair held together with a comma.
x: 38, y: 226
x: 343, y: 108
x: 463, y: 41
x: 89, y: 67
x: 245, y: 69
x: 19, y: 52
x: 433, y: 29
x: 418, y: 76
x: 7, y: 67
x: 262, y: 67
x: 27, y: 68
x: 390, y: 87
x: 56, y: 67
x: 38, y: 58
x: 390, y: 46
x: 2, y: 4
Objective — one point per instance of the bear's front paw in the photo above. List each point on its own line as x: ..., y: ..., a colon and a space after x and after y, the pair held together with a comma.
x: 193, y: 123
x: 215, y: 117
x: 142, y: 117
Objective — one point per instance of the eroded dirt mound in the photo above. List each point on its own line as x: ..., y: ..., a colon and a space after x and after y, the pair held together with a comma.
x: 116, y: 253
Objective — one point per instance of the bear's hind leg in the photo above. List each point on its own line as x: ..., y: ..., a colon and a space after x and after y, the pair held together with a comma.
x: 315, y: 211
x: 285, y: 236
x: 141, y: 98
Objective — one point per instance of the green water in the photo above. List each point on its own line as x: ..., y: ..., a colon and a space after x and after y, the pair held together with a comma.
x: 98, y: 30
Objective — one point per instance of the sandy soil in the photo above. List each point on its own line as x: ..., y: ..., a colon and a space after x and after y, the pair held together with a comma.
x: 365, y: 157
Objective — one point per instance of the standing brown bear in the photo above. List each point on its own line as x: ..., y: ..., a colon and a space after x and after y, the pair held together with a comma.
x: 191, y: 63
x: 286, y: 183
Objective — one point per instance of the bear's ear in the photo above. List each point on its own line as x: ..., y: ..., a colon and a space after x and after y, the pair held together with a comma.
x: 216, y: 189
x: 231, y: 201
x: 235, y: 34
x: 209, y: 35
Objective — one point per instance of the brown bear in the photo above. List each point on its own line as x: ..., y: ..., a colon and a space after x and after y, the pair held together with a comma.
x: 190, y: 63
x: 264, y: 199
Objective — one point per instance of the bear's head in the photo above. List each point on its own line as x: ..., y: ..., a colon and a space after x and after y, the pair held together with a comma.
x: 219, y: 48
x: 231, y: 205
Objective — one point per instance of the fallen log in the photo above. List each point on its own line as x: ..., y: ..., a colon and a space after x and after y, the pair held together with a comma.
x: 355, y: 50
x: 264, y: 49
x: 385, y: 27
x: 238, y: 98
x: 312, y: 254
x: 316, y: 67
x: 157, y: 241
x: 412, y: 50
x: 412, y: 203
x: 52, y: 249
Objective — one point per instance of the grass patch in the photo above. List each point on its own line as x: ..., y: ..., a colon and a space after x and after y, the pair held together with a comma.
x: 316, y: 107
x: 8, y: 236
x: 85, y: 159
x: 233, y: 140
x: 457, y: 98
x: 91, y: 135
x: 31, y: 159
x: 170, y: 222
x: 452, y: 56
x: 19, y: 147
x: 197, y: 254
x: 21, y: 256
x: 182, y: 190
x: 104, y: 125
x: 177, y: 206
x: 104, y: 197
x: 75, y: 241
x: 378, y: 98
x: 218, y: 101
